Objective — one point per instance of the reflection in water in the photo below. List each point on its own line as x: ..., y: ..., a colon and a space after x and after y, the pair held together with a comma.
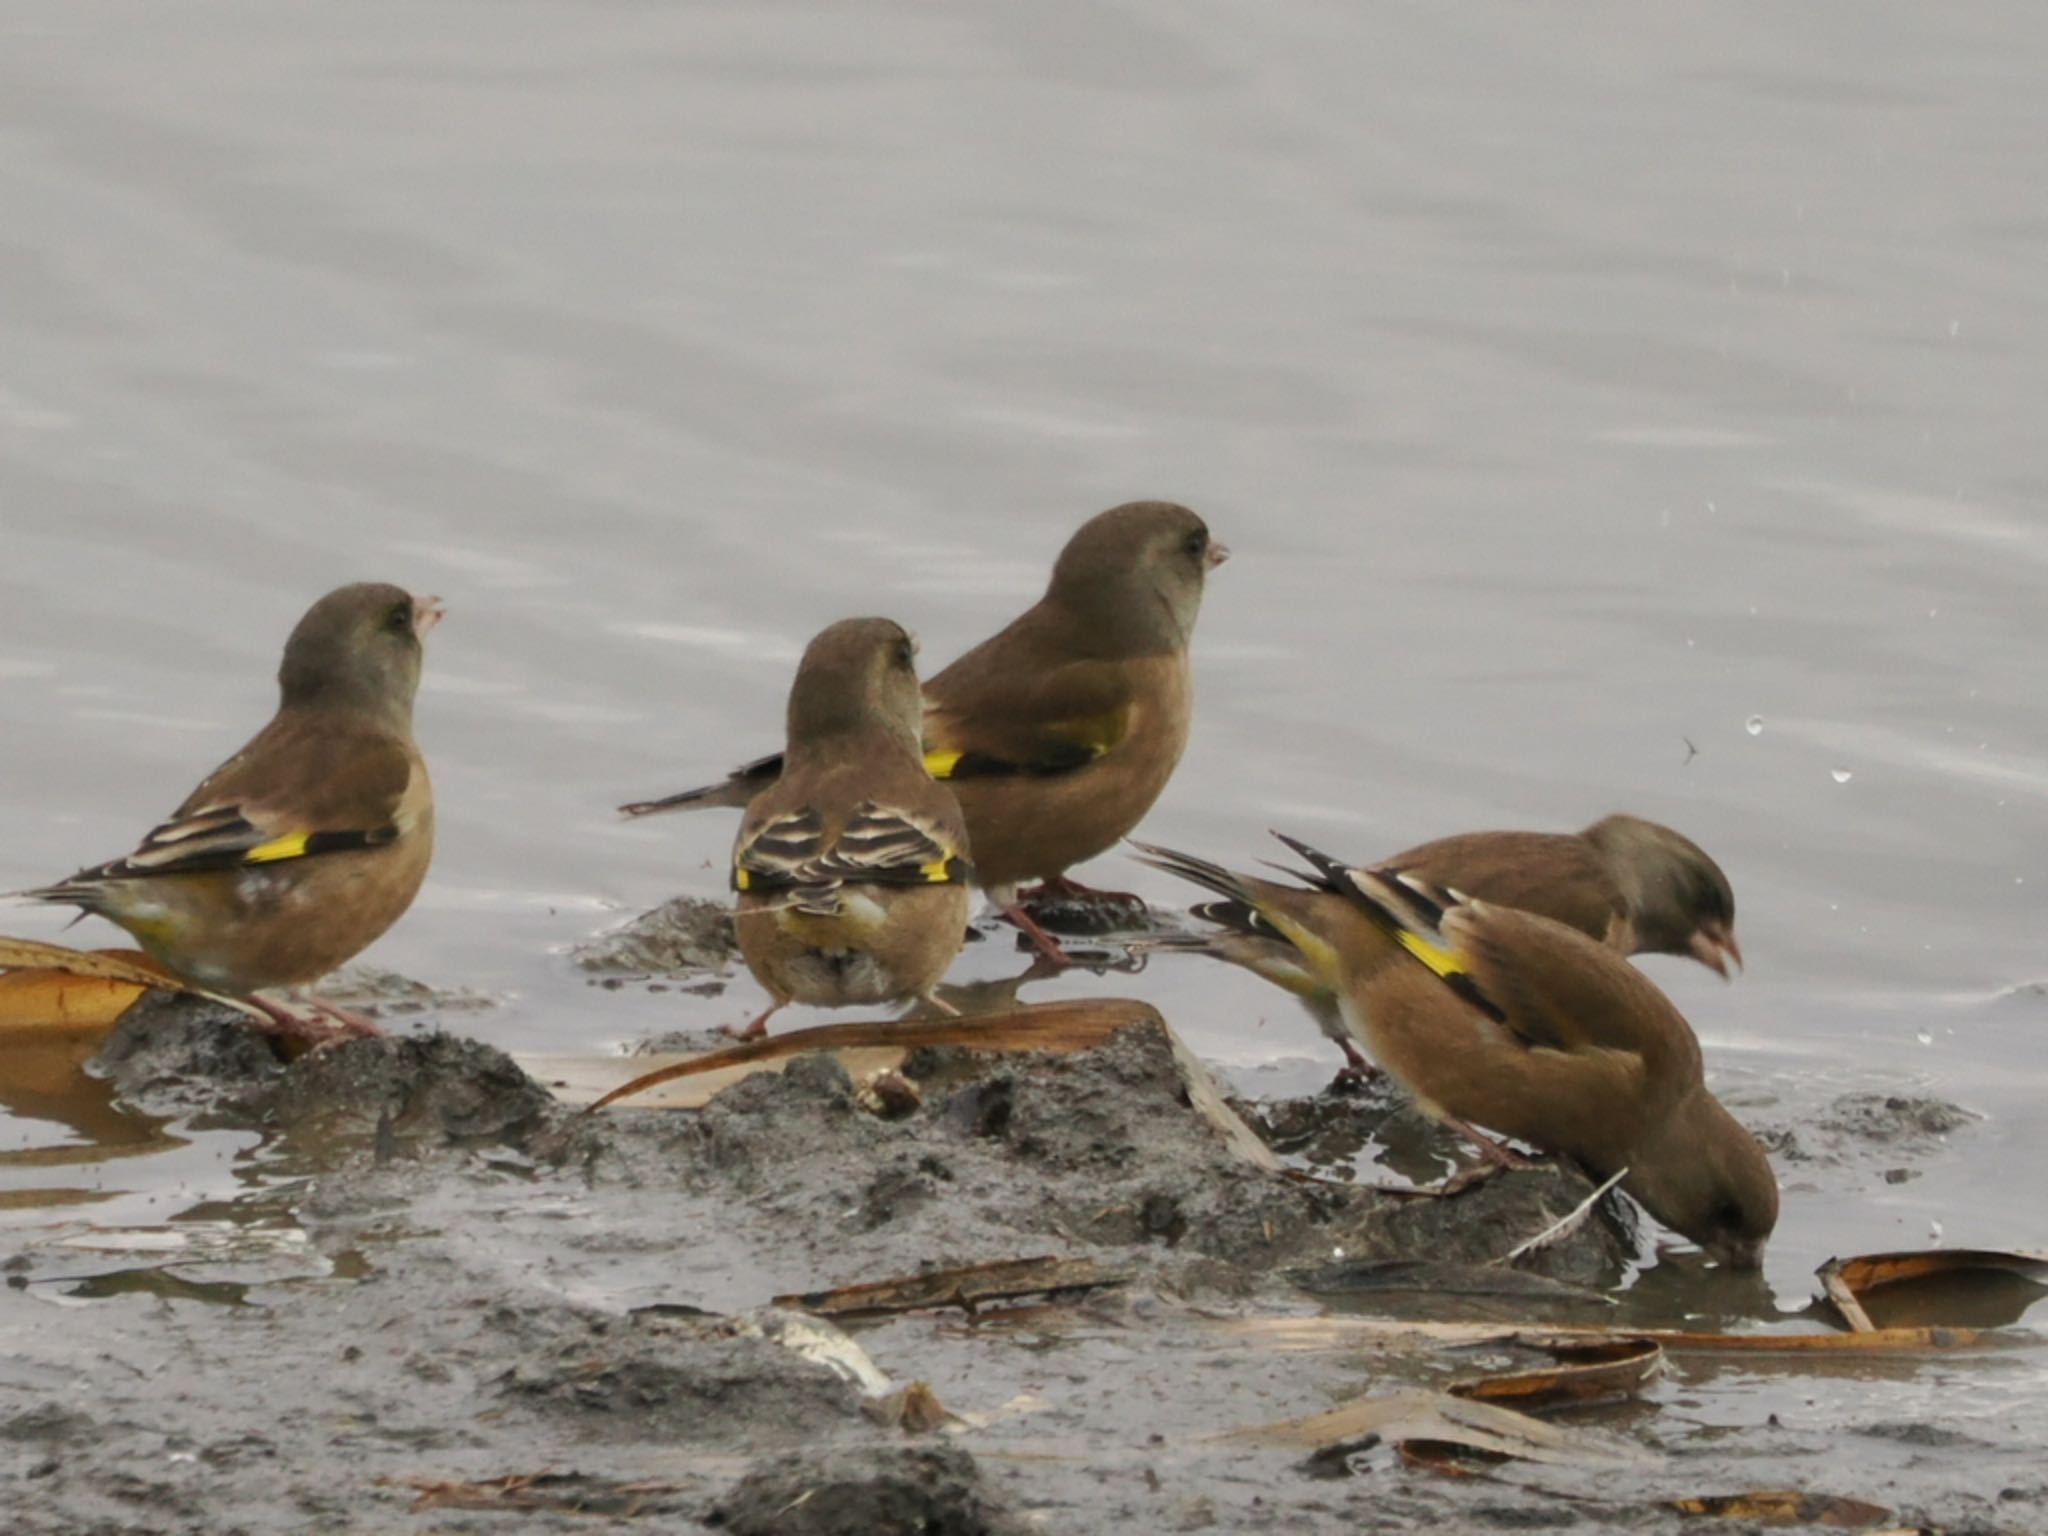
x: 165, y: 1217
x: 44, y: 1081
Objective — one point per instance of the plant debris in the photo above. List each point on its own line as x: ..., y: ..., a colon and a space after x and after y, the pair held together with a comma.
x: 966, y: 1287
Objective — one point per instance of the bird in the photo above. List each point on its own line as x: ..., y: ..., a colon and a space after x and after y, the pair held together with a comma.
x: 1496, y: 1017
x: 1058, y: 733
x: 1635, y: 885
x: 299, y: 851
x: 851, y: 868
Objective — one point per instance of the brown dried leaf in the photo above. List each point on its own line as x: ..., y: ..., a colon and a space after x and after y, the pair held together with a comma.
x: 1308, y: 1334
x: 1981, y: 1286
x: 1588, y: 1371
x: 568, y: 1492
x: 1440, y: 1417
x: 915, y: 1409
x: 1064, y: 1026
x: 62, y: 1001
x: 125, y: 965
x: 1786, y: 1506
x: 966, y: 1286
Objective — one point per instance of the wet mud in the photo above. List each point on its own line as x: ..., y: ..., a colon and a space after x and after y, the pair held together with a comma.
x: 451, y: 1303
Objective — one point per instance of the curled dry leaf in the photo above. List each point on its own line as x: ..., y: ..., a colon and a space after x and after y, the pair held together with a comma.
x: 1588, y: 1372
x: 1981, y: 1287
x: 53, y: 984
x: 52, y: 987
x: 1068, y: 1026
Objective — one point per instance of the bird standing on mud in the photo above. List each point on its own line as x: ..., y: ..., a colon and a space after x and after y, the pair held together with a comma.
x: 1634, y: 885
x: 852, y: 867
x: 300, y: 850
x: 1058, y: 733
x: 1495, y: 1017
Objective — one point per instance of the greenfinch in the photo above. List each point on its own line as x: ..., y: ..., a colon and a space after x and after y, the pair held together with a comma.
x: 299, y: 851
x: 852, y: 867
x: 1634, y: 885
x: 1491, y: 1016
x: 1058, y: 733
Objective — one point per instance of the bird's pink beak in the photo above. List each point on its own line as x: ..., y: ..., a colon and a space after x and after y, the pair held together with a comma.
x: 1714, y: 946
x: 426, y: 613
x: 1218, y: 553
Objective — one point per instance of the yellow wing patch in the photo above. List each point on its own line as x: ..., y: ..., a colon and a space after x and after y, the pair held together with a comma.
x: 940, y: 762
x: 289, y: 847
x: 1321, y: 955
x: 1439, y: 959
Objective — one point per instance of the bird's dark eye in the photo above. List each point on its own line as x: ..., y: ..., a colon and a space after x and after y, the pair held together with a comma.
x: 1196, y: 543
x: 399, y: 619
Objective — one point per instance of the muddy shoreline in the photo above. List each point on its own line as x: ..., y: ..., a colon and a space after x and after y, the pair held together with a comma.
x: 453, y: 1303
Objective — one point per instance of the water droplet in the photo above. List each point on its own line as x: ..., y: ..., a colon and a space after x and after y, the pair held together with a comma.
x: 1924, y: 1037
x: 1841, y: 775
x: 1934, y: 1230
x: 1754, y: 725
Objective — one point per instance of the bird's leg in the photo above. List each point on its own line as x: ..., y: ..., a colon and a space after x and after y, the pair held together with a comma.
x: 287, y: 1025
x: 1495, y: 1152
x: 1048, y: 947
x: 756, y: 1027
x: 932, y: 999
x: 355, y: 1024
x: 1357, y: 1067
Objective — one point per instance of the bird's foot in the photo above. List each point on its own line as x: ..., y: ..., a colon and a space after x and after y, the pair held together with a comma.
x: 754, y: 1028
x: 354, y: 1025
x: 1498, y: 1153
x: 1357, y: 1070
x: 300, y: 1029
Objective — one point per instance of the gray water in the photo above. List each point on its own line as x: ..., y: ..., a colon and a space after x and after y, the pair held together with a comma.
x: 1572, y: 389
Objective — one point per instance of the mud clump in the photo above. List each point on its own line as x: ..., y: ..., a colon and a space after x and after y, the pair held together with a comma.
x: 684, y: 937
x: 666, y: 1380
x: 1008, y: 1153
x: 173, y: 1054
x: 930, y: 1491
x: 1855, y: 1124
x: 411, y: 1089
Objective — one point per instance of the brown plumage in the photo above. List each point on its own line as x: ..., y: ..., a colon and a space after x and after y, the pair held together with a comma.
x: 1058, y: 733
x: 1637, y: 886
x: 300, y: 850
x: 1497, y: 1017
x: 1632, y: 884
x: 852, y: 867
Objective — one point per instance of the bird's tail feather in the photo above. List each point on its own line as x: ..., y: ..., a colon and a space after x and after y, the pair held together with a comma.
x: 1210, y: 876
x: 736, y: 790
